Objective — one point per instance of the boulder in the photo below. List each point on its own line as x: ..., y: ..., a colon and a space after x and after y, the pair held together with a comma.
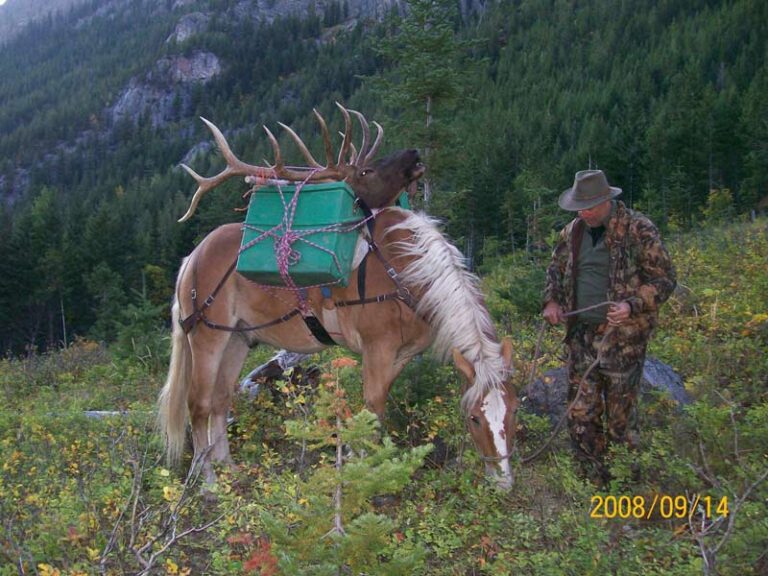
x: 547, y: 396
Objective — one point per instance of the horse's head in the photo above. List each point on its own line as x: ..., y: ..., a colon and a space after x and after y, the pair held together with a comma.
x: 491, y: 416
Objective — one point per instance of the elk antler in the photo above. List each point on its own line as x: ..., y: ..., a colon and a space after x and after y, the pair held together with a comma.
x: 365, y: 154
x: 333, y: 170
x: 235, y: 167
x: 337, y: 169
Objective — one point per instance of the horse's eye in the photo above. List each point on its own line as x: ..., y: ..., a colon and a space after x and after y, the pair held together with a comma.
x: 365, y: 172
x: 475, y: 420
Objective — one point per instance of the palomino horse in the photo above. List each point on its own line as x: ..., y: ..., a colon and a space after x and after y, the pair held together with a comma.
x: 421, y: 294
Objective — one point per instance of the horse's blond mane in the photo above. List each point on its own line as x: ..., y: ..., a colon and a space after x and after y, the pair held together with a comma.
x: 451, y: 300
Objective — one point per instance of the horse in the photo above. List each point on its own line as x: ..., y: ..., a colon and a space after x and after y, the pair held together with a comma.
x: 422, y: 295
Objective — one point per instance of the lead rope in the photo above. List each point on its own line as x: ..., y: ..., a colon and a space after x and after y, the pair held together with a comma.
x: 592, y: 366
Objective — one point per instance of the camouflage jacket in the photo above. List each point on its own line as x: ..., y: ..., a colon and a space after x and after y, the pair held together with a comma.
x: 640, y: 273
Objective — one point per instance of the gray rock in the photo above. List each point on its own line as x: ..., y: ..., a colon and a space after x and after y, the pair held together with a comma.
x: 189, y: 25
x: 547, y: 396
x: 658, y: 376
x: 271, y: 370
x: 179, y: 4
x: 164, y: 92
x: 200, y: 68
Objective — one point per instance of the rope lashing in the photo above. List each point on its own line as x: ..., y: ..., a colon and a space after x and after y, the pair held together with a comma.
x: 583, y: 378
x: 285, y: 237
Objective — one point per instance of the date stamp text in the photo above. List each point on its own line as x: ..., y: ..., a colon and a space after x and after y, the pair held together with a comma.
x: 664, y: 506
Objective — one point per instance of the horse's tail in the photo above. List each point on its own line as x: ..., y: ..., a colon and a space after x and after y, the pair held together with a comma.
x: 172, y: 413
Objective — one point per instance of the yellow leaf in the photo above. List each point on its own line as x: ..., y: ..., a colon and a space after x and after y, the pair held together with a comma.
x: 169, y: 493
x: 171, y: 567
x: 48, y: 570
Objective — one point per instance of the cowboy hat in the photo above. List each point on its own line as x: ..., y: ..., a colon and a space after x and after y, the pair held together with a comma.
x: 590, y: 188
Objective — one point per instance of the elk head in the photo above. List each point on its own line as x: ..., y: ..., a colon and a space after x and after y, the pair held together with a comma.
x: 376, y: 182
x: 491, y: 417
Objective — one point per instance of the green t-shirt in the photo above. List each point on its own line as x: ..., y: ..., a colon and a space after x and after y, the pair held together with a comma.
x: 592, y: 276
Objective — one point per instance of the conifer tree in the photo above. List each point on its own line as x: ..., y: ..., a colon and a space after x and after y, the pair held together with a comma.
x: 331, y: 527
x: 427, y: 78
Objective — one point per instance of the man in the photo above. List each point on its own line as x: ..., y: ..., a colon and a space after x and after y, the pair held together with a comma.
x: 610, y: 265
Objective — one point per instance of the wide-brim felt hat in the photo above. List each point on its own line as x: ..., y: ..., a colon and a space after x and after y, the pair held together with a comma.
x: 590, y: 188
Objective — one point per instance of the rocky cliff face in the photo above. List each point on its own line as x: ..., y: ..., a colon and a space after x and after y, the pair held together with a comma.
x: 188, y: 26
x: 164, y: 92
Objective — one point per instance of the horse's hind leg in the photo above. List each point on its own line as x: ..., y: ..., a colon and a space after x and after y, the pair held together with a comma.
x: 216, y: 369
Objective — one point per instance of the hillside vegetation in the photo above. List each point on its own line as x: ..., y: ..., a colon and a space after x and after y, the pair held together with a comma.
x: 666, y: 96
x: 15, y: 15
x: 506, y: 100
x: 83, y: 495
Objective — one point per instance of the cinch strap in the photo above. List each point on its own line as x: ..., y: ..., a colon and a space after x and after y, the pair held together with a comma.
x: 318, y: 331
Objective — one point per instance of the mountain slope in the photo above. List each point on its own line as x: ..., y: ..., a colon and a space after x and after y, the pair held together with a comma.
x: 15, y: 15
x: 66, y: 92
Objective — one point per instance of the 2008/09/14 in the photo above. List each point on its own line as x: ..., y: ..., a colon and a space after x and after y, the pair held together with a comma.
x: 667, y: 506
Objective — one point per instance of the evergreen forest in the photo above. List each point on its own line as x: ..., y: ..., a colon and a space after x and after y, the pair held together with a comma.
x: 666, y: 96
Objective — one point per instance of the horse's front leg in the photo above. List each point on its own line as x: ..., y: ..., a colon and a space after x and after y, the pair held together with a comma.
x: 380, y: 368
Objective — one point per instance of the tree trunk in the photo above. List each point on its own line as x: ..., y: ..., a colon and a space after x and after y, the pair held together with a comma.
x: 427, y: 150
x: 63, y: 320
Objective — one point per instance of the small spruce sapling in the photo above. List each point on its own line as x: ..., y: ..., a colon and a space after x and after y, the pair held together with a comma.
x: 330, y: 526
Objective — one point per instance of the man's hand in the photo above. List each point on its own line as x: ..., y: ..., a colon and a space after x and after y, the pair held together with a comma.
x: 553, y: 312
x: 618, y: 313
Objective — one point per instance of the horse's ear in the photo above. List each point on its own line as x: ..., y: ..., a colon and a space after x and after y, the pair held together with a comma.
x: 464, y: 366
x: 506, y: 352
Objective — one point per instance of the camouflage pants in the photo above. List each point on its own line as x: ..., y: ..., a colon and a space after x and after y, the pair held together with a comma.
x: 606, y: 408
